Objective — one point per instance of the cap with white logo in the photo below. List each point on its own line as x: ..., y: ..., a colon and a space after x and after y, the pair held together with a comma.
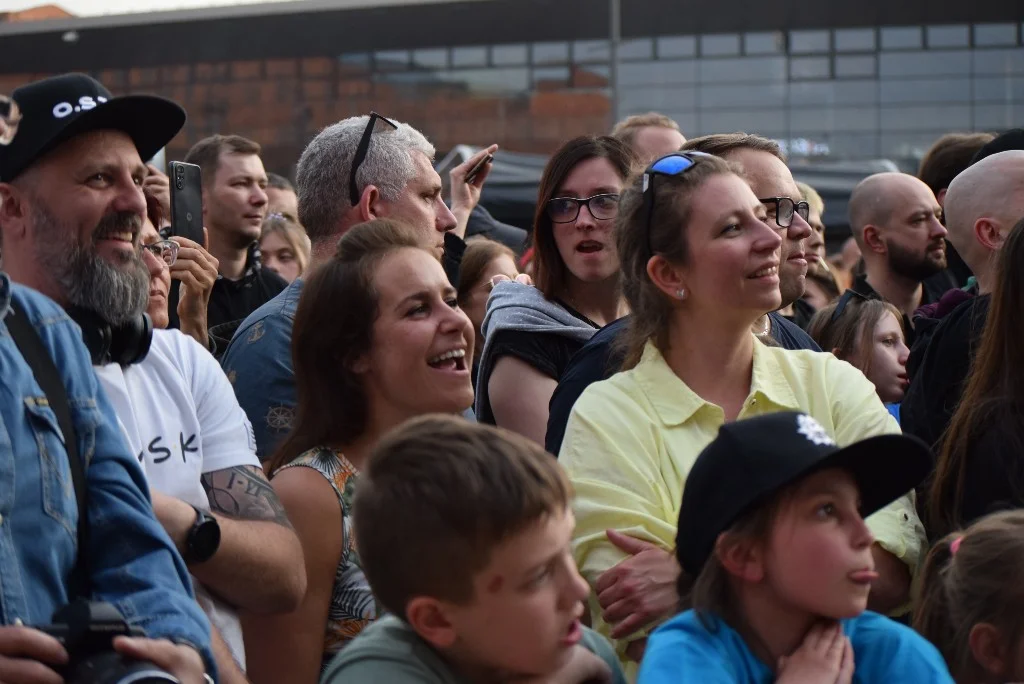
x: 57, y: 109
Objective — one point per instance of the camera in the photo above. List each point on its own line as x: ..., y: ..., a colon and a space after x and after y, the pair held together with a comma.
x: 87, y: 629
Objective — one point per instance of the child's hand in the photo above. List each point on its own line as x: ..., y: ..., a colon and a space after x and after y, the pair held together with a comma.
x: 583, y: 667
x: 825, y: 657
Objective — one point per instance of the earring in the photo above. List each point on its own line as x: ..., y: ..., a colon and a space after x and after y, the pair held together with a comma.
x: 681, y: 293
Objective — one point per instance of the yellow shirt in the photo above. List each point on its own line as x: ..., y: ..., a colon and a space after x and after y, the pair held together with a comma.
x: 631, y: 441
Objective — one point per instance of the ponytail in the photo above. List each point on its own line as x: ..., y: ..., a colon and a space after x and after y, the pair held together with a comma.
x: 932, y: 617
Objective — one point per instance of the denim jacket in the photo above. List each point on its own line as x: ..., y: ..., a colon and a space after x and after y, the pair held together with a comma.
x: 259, y: 365
x: 132, y: 562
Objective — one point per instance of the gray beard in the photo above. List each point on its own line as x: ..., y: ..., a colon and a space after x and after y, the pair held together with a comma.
x: 116, y: 293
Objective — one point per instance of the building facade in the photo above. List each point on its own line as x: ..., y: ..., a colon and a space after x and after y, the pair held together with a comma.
x: 882, y: 79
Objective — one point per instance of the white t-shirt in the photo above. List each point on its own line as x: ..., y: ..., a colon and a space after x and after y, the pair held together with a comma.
x: 182, y: 420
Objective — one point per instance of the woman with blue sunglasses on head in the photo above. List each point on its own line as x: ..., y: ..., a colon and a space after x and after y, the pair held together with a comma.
x: 530, y: 334
x: 699, y: 266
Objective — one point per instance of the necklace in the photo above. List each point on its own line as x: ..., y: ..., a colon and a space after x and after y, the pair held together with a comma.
x: 766, y: 328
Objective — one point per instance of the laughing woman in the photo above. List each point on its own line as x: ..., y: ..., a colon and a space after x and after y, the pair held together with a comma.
x: 531, y: 333
x: 399, y: 347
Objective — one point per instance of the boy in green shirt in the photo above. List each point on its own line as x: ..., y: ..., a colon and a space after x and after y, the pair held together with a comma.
x: 464, y: 534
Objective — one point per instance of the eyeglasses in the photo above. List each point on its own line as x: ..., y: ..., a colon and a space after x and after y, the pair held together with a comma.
x: 785, y: 208
x: 360, y: 156
x: 847, y: 297
x: 165, y: 250
x: 10, y: 117
x: 675, y: 164
x: 567, y: 209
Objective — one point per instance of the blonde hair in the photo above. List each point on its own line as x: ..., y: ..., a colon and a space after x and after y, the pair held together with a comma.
x: 627, y: 129
x: 812, y: 197
x: 293, y: 233
x: 851, y: 334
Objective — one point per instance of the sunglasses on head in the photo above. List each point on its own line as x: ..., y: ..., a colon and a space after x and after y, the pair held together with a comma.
x: 364, y: 146
x: 675, y: 164
x: 847, y: 297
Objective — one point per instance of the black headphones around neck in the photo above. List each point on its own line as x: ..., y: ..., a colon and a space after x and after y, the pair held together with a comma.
x: 124, y: 345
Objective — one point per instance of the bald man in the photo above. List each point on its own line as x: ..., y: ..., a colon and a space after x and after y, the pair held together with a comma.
x: 982, y: 205
x: 895, y: 220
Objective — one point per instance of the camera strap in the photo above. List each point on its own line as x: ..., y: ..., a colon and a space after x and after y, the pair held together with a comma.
x: 39, y: 360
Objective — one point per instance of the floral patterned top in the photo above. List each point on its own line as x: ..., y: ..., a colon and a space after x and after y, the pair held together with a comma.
x: 353, y: 606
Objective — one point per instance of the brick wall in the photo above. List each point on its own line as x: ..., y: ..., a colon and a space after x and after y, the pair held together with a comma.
x: 282, y: 103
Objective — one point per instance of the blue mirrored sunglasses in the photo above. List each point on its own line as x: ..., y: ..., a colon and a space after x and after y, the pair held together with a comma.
x: 674, y: 164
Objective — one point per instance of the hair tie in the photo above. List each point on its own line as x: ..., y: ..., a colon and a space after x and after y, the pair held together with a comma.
x: 955, y: 545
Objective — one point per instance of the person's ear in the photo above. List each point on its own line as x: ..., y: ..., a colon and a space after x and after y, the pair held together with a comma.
x: 873, y: 240
x: 667, y: 277
x: 430, y: 620
x: 836, y: 351
x: 987, y: 232
x: 742, y: 559
x: 940, y: 197
x: 14, y: 212
x: 370, y: 204
x: 988, y: 648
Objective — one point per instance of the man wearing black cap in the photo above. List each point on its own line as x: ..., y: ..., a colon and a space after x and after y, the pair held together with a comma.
x: 71, y: 208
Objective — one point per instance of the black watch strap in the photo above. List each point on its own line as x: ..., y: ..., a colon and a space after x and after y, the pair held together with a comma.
x: 203, y: 539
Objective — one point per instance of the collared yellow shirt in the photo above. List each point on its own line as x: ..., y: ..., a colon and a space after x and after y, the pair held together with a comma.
x: 631, y: 441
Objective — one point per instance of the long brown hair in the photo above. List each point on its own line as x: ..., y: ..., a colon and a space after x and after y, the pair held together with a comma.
x: 667, y: 236
x: 549, y: 270
x: 970, y: 581
x: 994, y: 391
x: 479, y: 254
x: 333, y: 329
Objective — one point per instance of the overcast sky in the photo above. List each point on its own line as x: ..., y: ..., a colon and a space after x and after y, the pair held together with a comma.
x: 93, y: 7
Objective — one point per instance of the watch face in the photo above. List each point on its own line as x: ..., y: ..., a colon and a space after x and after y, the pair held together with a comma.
x: 205, y: 539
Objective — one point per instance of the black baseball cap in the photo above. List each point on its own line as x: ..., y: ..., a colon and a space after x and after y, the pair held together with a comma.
x: 56, y: 109
x: 750, y: 460
x: 1012, y: 139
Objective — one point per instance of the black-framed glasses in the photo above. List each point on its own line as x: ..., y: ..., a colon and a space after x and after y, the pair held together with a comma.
x: 847, y: 297
x: 364, y: 146
x: 603, y: 207
x: 165, y: 250
x: 786, y: 208
x: 675, y: 164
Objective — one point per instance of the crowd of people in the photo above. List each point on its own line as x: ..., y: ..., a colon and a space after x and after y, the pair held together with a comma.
x: 364, y: 432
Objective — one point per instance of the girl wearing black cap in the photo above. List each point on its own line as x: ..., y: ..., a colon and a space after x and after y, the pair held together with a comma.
x: 777, y: 566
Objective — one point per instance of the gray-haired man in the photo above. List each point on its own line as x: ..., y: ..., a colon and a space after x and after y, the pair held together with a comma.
x: 355, y: 170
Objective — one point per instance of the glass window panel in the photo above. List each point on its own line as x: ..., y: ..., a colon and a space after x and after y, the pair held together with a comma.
x: 847, y: 146
x: 930, y: 63
x: 508, y: 54
x: 355, y: 58
x: 551, y: 76
x: 392, y: 59
x: 999, y: 89
x: 640, y: 48
x: 677, y: 46
x: 932, y: 90
x: 855, y: 40
x: 766, y: 122
x: 834, y: 119
x: 925, y: 117
x: 590, y: 51
x: 808, y: 42
x: 995, y: 34
x: 490, y: 81
x: 948, y: 36
x: 469, y: 56
x: 809, y: 67
x: 855, y: 66
x: 550, y: 53
x: 742, y: 70
x: 999, y: 61
x: 660, y: 72
x: 997, y: 116
x: 431, y: 58
x: 763, y: 43
x: 720, y: 45
x: 833, y: 93
x: 901, y: 37
x: 910, y: 145
x: 591, y: 76
x: 728, y: 96
x: 648, y: 98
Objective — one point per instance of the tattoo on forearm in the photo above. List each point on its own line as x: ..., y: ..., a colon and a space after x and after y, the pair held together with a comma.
x: 244, y: 493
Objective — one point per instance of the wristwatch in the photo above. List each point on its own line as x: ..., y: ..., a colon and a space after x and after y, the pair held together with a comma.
x: 203, y: 539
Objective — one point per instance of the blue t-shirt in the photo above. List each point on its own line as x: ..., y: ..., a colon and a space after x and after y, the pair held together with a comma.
x: 894, y: 411
x: 683, y: 651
